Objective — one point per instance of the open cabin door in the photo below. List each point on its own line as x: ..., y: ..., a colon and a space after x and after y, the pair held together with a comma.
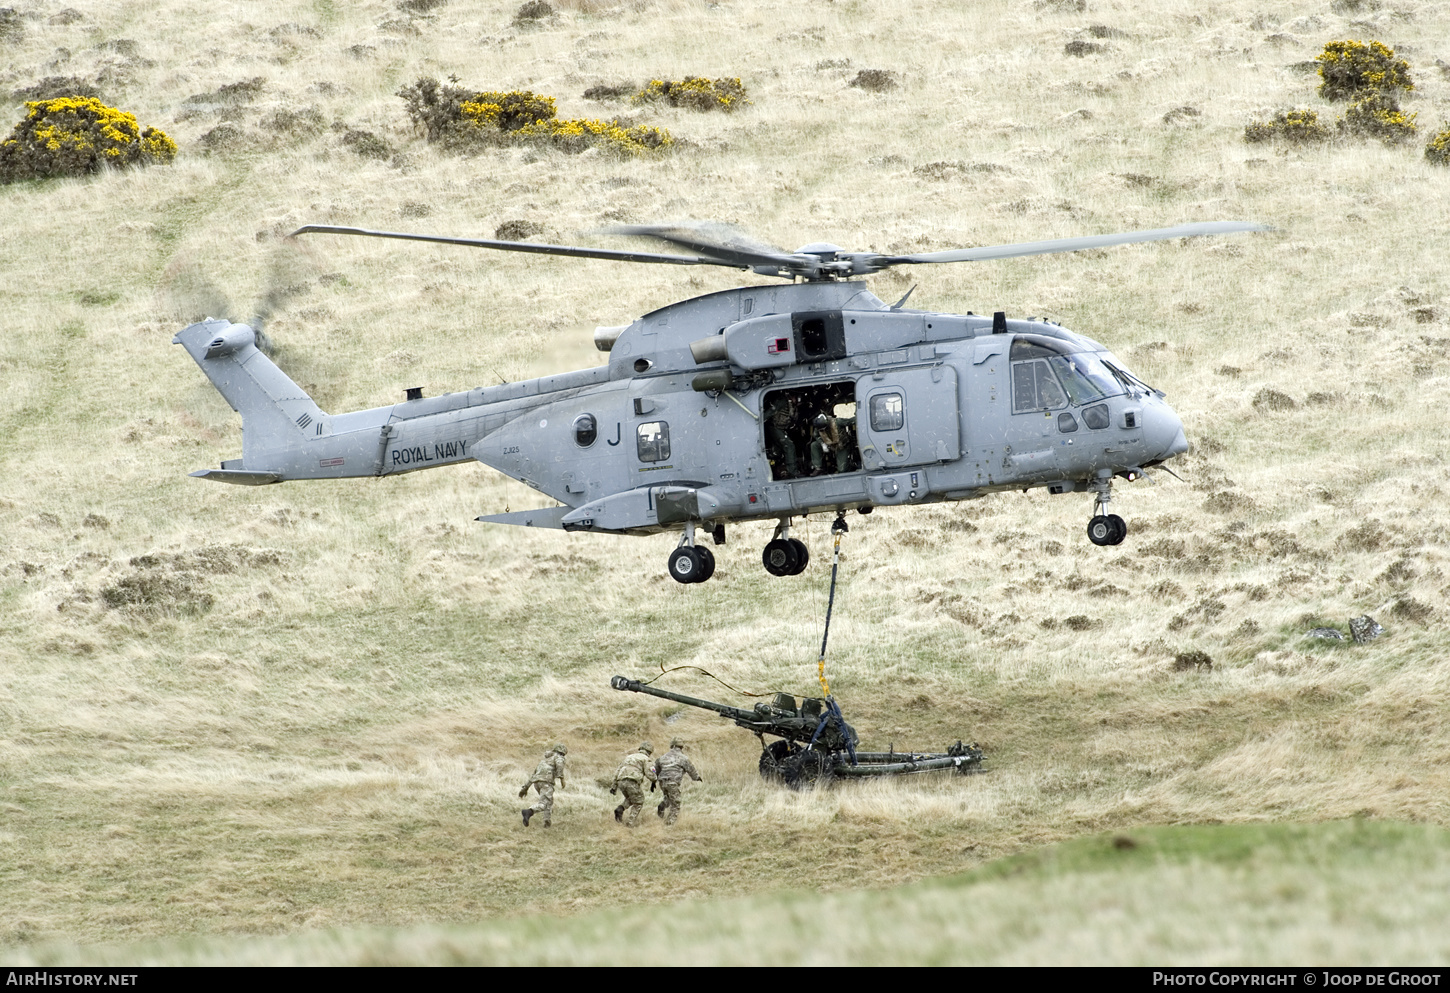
x: 908, y: 417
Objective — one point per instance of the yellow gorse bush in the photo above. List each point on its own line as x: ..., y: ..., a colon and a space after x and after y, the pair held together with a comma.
x: 1376, y: 115
x: 455, y: 116
x: 577, y: 134
x: 74, y: 136
x: 1438, y: 150
x: 696, y: 93
x: 1297, y: 126
x: 507, y: 111
x: 1352, y: 68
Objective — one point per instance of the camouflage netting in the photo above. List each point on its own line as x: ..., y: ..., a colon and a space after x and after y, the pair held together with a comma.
x: 76, y: 136
x: 455, y: 116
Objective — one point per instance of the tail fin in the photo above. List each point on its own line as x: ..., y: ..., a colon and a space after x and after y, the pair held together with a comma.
x: 275, y: 411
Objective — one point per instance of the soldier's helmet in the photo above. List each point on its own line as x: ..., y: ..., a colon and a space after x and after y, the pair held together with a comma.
x: 561, y: 748
x: 676, y: 743
x: 646, y: 747
x: 822, y: 421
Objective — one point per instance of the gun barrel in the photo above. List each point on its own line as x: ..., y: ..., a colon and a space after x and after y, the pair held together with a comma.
x: 734, y: 713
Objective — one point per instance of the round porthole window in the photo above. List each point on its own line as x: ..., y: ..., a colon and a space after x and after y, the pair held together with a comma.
x: 586, y: 429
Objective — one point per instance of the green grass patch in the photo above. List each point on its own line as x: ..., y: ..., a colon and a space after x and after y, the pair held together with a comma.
x: 1227, y: 893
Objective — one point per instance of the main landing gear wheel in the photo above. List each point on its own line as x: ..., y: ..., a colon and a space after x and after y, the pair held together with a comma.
x: 691, y: 564
x: 802, y: 554
x: 1107, y: 529
x: 780, y: 557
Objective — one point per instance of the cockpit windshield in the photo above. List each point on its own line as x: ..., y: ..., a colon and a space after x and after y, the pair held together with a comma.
x: 1085, y: 376
x: 1131, y: 383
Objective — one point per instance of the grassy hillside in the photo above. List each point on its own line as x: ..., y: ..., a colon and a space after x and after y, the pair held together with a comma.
x: 1346, y: 893
x: 319, y: 713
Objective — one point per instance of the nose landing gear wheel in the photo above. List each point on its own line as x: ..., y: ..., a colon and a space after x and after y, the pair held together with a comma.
x: 1120, y: 529
x: 707, y: 559
x: 687, y: 565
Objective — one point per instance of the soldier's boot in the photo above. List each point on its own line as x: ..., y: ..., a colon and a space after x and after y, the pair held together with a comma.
x: 619, y: 813
x: 527, y: 812
x: 660, y: 810
x: 546, y: 823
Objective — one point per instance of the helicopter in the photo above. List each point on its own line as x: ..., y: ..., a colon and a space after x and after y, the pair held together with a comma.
x: 759, y: 403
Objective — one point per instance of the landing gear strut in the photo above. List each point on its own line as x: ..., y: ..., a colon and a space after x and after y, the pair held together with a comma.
x: 691, y: 563
x: 784, y: 555
x: 1105, y: 529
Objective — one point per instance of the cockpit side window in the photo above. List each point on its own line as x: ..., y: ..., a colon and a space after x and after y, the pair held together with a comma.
x: 1034, y: 387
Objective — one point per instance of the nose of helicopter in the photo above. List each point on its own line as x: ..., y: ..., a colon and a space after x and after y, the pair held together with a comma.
x: 1163, y: 432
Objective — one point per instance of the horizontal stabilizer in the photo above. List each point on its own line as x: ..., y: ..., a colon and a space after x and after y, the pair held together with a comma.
x: 546, y: 517
x: 239, y: 476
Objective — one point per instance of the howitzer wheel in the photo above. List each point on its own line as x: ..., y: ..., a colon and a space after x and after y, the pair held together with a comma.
x: 773, y: 759
x: 807, y: 770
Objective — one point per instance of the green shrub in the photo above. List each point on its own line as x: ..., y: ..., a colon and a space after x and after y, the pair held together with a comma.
x: 1299, y: 127
x: 875, y: 80
x: 56, y: 86
x: 533, y: 11
x: 456, y: 115
x: 696, y: 93
x: 1350, y: 69
x: 1438, y: 150
x: 367, y: 144
x: 74, y: 136
x: 1378, y: 115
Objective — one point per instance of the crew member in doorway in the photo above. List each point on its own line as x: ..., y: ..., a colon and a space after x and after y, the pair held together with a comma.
x: 833, y: 439
x: 780, y: 419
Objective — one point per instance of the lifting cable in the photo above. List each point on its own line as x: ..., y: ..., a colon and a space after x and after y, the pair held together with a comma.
x: 677, y: 668
x: 838, y: 528
x: 833, y: 709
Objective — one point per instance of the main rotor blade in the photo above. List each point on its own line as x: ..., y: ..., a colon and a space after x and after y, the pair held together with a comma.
x: 714, y: 240
x: 1071, y: 244
x: 526, y: 246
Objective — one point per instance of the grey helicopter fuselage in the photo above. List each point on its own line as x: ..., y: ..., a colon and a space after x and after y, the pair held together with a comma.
x: 675, y: 431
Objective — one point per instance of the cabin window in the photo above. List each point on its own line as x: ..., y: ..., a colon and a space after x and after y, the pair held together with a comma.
x: 887, y: 412
x: 1066, y: 423
x: 653, y: 440
x: 586, y: 430
x: 1096, y: 416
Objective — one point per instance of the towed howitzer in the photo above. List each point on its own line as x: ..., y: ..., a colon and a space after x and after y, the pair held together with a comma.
x: 817, y: 745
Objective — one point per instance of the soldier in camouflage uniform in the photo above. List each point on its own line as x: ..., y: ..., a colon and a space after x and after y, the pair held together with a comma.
x: 780, y: 418
x: 550, y: 768
x: 629, y: 780
x: 671, y: 768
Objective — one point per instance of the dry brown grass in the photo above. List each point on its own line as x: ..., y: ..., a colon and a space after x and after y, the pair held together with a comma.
x: 336, y: 740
